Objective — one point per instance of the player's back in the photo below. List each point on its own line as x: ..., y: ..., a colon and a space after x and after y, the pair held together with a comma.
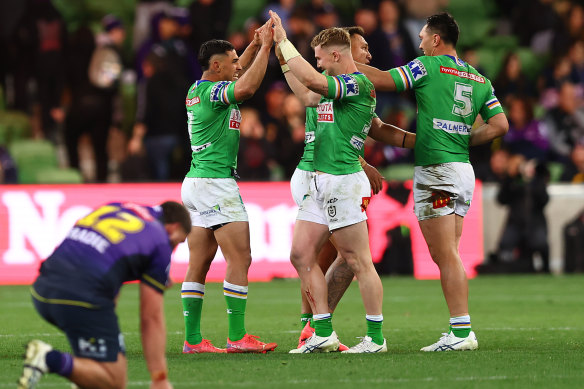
x: 113, y: 244
x: 450, y: 94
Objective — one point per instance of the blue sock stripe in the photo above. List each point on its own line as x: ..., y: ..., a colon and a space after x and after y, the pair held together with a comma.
x: 375, y: 321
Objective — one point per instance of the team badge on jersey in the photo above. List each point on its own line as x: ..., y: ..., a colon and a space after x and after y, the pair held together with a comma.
x: 234, y: 119
x: 351, y: 85
x: 325, y: 112
x: 309, y: 137
x: 417, y: 68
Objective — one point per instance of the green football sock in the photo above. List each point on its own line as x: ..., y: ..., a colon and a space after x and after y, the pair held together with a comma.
x: 323, y: 324
x: 460, y: 326
x: 304, y: 318
x: 192, y: 301
x: 374, y: 325
x: 236, y: 299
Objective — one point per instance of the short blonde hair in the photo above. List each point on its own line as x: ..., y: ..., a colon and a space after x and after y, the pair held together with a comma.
x: 332, y: 36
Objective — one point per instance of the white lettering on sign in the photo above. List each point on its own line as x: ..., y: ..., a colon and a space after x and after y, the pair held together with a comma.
x: 43, y: 230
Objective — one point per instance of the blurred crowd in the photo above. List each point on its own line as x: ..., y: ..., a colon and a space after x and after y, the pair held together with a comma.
x: 112, y: 98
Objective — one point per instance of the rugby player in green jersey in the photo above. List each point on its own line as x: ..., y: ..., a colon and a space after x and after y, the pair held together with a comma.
x: 340, y: 191
x: 450, y: 95
x: 210, y: 193
x: 338, y: 274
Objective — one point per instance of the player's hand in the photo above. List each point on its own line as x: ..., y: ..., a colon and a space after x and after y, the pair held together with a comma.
x: 162, y: 384
x: 279, y: 32
x: 375, y: 178
x: 257, y: 41
x: 265, y: 34
x: 279, y: 55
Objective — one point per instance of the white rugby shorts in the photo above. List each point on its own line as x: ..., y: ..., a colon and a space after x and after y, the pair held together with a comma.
x: 443, y: 189
x: 300, y: 184
x: 212, y: 201
x: 336, y: 200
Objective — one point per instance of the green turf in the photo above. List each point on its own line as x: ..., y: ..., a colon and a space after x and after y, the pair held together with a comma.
x: 530, y: 331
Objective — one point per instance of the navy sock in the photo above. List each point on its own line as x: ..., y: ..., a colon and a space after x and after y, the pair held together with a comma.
x: 60, y: 363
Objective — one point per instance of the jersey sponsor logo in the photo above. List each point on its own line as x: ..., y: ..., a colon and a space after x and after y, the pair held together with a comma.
x: 417, y: 68
x: 193, y: 101
x: 325, y: 112
x: 197, y: 149
x: 365, y: 203
x: 440, y: 199
x: 234, y: 119
x: 357, y: 142
x: 351, y: 85
x: 452, y: 127
x: 309, y: 137
x: 212, y: 211
x: 462, y: 74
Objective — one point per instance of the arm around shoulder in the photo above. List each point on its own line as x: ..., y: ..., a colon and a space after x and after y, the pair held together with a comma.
x: 380, y: 79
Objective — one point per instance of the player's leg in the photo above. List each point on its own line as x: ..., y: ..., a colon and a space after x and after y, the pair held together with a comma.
x: 233, y: 238
x: 442, y: 198
x: 41, y: 358
x: 202, y: 250
x: 338, y: 279
x: 353, y: 244
x: 325, y: 258
x: 97, y: 360
x: 442, y: 235
x: 345, y: 202
x: 308, y: 239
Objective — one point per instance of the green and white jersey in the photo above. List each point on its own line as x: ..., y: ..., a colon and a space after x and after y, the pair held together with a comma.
x: 343, y: 122
x: 307, y: 160
x: 213, y: 124
x: 450, y: 95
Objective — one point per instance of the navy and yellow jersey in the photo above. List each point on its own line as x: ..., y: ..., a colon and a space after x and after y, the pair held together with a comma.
x: 116, y: 243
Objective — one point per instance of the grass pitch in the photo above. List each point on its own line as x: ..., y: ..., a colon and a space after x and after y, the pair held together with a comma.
x: 530, y: 331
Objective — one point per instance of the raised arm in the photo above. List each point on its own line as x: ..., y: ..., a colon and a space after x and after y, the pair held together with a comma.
x: 249, y: 83
x: 495, y: 127
x: 308, y: 97
x: 381, y: 79
x: 153, y: 331
x: 391, y: 135
x: 250, y: 52
x: 303, y: 71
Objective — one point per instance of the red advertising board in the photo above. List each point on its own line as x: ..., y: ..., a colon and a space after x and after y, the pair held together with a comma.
x: 35, y: 219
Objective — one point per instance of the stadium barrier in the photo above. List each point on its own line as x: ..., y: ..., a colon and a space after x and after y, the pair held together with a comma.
x: 34, y: 219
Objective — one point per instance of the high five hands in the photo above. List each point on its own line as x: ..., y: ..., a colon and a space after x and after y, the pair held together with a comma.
x: 279, y: 32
